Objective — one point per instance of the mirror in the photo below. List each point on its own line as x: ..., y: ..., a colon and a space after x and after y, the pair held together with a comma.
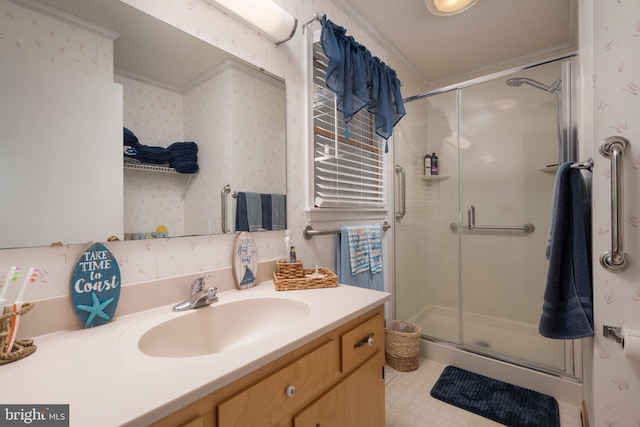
x: 175, y: 88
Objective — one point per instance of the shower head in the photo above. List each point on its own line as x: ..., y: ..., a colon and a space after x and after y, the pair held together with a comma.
x: 519, y: 81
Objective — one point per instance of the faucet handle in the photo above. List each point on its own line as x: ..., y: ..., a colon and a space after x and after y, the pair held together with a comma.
x: 212, y: 295
x: 198, y: 284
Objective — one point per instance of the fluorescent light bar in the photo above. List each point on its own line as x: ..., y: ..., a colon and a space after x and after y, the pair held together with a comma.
x: 263, y: 15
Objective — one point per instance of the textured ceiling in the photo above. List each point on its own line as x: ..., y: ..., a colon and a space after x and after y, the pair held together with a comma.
x: 491, y: 34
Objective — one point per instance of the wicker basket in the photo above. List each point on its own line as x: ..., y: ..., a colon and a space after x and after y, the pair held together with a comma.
x: 402, y: 345
x: 289, y: 270
x: 21, y: 348
x: 330, y: 280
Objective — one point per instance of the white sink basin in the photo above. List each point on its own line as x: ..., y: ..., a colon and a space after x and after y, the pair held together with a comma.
x: 219, y: 327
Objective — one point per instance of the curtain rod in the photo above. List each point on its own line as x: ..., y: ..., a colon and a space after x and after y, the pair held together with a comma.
x: 309, y: 232
x: 316, y: 17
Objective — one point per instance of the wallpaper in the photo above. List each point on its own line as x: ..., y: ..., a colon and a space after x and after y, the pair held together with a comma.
x: 151, y: 199
x: 616, y: 86
x: 31, y: 33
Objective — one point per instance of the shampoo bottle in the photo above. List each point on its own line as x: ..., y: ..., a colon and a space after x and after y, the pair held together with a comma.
x: 287, y: 247
x: 434, y: 164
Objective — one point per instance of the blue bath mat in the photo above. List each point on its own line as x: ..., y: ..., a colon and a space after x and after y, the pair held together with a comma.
x: 501, y: 402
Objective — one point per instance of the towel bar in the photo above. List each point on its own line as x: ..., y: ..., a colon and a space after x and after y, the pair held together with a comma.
x: 587, y: 164
x: 614, y: 148
x: 309, y: 232
x: 223, y: 208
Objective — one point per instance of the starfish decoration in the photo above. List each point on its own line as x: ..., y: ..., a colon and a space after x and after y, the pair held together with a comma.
x: 97, y: 309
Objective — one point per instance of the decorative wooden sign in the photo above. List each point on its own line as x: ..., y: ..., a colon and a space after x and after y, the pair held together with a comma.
x: 245, y: 261
x: 95, y: 286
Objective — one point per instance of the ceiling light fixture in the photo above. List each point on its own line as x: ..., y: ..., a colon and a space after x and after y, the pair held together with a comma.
x: 449, y: 7
x: 263, y: 15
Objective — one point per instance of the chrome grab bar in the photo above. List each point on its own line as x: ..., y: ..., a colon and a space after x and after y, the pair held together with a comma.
x: 471, y: 219
x: 223, y: 207
x: 403, y: 210
x: 614, y: 147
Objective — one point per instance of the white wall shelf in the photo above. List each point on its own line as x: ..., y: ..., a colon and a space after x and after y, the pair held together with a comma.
x: 161, y: 169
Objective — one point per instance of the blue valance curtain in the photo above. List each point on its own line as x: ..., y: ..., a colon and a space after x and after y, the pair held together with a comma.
x: 360, y: 80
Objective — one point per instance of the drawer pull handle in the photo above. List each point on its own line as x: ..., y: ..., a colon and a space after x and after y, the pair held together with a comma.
x: 291, y: 390
x: 365, y: 340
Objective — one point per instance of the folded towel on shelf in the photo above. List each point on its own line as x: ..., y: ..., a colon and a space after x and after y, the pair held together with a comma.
x: 278, y: 211
x: 567, y: 312
x: 144, y: 153
x: 185, y: 156
x: 358, y: 249
x: 248, y: 212
x: 374, y: 236
x: 364, y: 279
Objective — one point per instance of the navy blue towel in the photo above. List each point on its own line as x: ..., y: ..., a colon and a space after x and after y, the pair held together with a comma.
x: 267, y: 219
x: 144, y: 153
x: 567, y: 312
x: 185, y: 157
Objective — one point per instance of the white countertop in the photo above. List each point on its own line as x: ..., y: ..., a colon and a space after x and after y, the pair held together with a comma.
x: 108, y: 383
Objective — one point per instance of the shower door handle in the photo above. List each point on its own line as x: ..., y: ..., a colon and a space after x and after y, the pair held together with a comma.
x: 403, y: 193
x: 471, y: 217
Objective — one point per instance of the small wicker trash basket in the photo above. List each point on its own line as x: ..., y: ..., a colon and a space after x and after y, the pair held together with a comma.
x: 402, y: 345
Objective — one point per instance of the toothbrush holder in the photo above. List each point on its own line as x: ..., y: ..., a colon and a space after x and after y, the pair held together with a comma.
x: 21, y: 348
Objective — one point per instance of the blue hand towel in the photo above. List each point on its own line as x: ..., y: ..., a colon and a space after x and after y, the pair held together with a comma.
x: 242, y: 215
x: 254, y: 211
x: 567, y: 312
x: 358, y: 249
x: 364, y: 279
x: 374, y: 235
x: 279, y: 211
x: 248, y: 212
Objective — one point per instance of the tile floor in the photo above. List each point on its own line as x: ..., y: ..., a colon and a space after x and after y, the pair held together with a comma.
x: 409, y: 404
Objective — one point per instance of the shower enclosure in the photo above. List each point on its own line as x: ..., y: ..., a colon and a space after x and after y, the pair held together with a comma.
x: 470, y: 265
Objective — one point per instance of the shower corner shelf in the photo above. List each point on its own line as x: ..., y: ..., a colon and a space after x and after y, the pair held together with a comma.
x: 434, y: 178
x: 161, y: 169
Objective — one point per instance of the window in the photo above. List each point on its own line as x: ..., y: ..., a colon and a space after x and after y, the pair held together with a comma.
x: 348, y: 170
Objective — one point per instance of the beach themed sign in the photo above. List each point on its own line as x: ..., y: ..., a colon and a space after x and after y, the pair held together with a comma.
x: 95, y: 286
x: 245, y: 261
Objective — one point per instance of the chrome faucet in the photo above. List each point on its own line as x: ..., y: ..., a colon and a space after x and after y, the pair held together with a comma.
x: 199, y: 296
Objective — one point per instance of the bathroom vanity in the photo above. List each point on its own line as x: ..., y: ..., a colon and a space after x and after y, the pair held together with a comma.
x: 336, y: 379
x: 256, y: 357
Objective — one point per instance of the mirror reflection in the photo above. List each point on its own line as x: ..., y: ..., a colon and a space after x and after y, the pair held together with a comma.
x: 175, y: 89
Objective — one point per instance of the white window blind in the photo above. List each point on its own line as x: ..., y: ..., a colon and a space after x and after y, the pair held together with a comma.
x: 348, y: 172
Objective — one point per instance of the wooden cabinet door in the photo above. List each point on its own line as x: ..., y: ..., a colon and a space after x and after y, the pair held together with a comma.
x: 357, y: 401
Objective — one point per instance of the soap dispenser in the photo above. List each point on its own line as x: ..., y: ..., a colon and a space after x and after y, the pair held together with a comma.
x: 287, y: 247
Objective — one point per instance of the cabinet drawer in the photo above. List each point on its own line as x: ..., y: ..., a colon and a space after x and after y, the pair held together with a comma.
x: 267, y: 404
x: 355, y: 348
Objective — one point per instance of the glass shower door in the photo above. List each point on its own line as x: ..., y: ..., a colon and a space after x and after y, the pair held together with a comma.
x: 426, y: 250
x: 506, y: 187
x: 498, y: 144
